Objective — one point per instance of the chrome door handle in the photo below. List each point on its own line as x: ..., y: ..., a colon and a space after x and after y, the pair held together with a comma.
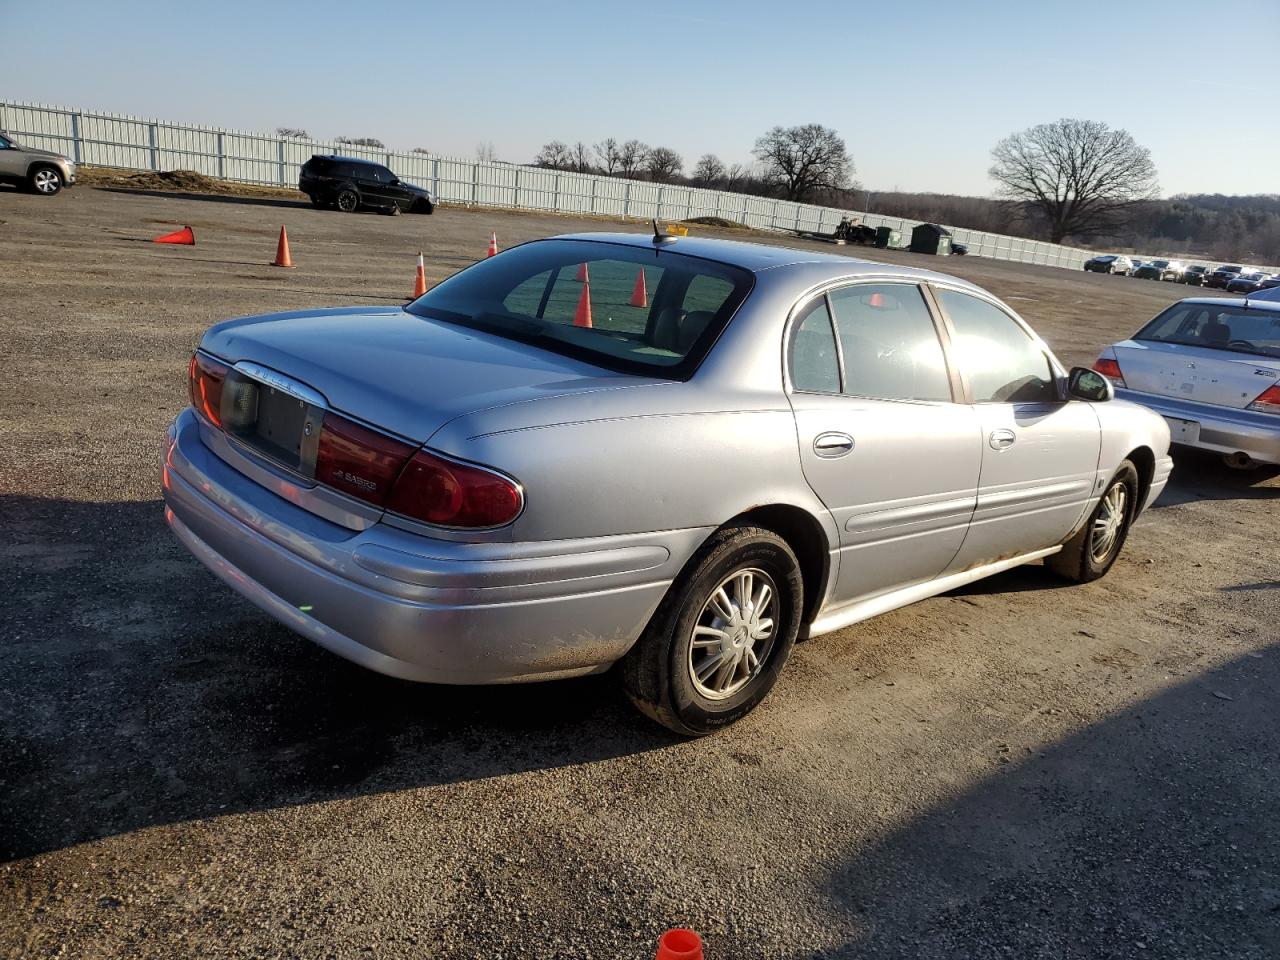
x: 1002, y: 439
x: 832, y: 445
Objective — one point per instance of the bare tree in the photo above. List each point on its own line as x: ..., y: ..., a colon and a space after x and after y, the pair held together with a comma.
x: 804, y: 159
x: 663, y: 164
x: 580, y: 158
x: 709, y: 171
x: 1081, y: 175
x: 292, y: 133
x: 607, y: 154
x: 553, y: 155
x: 485, y: 151
x: 361, y: 142
x: 420, y: 150
x: 631, y: 157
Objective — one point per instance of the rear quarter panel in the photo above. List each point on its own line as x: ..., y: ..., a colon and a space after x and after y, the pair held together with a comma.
x: 656, y: 457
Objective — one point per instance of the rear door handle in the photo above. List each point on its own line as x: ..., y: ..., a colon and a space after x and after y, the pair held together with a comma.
x: 1002, y: 439
x: 832, y: 445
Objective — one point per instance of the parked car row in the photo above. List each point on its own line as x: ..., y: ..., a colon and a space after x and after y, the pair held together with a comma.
x: 1230, y: 277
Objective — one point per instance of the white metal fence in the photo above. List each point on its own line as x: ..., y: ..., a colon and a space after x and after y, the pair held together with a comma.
x: 115, y: 140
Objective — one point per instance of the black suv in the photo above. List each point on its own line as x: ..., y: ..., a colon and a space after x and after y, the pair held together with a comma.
x: 348, y: 183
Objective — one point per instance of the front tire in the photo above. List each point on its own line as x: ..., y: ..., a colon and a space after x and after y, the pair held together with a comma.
x: 1092, y: 551
x: 721, y: 636
x: 46, y: 181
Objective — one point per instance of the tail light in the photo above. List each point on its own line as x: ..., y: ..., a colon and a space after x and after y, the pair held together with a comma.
x: 415, y: 483
x: 1268, y: 401
x: 452, y: 494
x: 359, y: 461
x: 1110, y: 369
x: 205, y: 377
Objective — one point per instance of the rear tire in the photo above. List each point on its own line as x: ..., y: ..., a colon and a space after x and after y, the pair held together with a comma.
x: 1092, y: 551
x: 45, y: 180
x: 347, y: 201
x: 694, y: 670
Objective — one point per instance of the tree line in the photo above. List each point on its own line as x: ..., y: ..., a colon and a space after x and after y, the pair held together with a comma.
x: 808, y: 163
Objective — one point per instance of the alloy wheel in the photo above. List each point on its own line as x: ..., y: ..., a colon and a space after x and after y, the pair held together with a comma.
x: 1108, y: 523
x: 734, y: 634
x: 46, y: 181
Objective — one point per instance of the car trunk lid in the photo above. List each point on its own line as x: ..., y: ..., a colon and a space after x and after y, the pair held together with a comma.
x: 1221, y: 377
x: 405, y: 374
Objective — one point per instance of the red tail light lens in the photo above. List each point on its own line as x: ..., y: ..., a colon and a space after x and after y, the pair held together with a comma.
x: 359, y: 461
x: 451, y: 494
x: 1110, y: 369
x: 205, y: 377
x: 1268, y: 401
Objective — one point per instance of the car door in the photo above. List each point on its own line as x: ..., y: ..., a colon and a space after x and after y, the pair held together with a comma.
x: 375, y: 183
x: 883, y: 441
x: 1039, y: 452
x: 13, y: 162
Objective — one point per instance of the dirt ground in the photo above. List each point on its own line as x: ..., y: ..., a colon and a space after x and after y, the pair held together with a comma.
x: 1020, y: 769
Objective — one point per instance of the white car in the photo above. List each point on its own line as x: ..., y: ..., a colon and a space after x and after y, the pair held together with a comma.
x: 1211, y: 368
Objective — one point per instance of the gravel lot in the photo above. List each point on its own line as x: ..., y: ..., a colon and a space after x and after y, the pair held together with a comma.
x: 1020, y: 769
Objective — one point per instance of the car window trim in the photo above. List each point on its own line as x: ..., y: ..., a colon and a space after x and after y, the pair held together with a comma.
x: 1056, y: 369
x: 824, y: 290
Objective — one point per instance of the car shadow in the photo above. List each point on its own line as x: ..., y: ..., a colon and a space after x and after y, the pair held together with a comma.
x: 1201, y: 475
x: 211, y: 197
x: 1152, y: 833
x: 136, y: 690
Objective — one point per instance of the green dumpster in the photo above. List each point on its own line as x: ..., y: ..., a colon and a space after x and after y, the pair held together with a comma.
x: 888, y: 237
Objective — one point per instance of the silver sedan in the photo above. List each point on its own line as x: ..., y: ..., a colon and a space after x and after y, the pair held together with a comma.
x: 674, y: 455
x: 1211, y: 368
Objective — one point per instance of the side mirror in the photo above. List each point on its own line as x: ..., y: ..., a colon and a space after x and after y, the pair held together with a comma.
x: 1086, y: 384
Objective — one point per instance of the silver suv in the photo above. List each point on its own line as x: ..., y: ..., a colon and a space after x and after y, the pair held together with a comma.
x: 44, y: 171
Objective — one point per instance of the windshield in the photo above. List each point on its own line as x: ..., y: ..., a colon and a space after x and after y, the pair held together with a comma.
x: 1218, y: 328
x: 634, y: 309
x: 1159, y: 263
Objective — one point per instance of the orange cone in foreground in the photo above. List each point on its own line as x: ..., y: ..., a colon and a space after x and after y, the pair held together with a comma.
x: 420, y: 282
x: 582, y: 317
x: 493, y: 244
x: 282, y: 251
x: 679, y: 944
x: 640, y: 293
x: 186, y: 236
x: 583, y: 276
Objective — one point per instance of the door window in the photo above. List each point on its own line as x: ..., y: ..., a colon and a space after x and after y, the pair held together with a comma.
x: 888, y: 342
x: 815, y: 365
x: 1002, y: 362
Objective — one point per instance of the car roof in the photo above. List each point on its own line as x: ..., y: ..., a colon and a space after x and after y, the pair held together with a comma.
x: 334, y: 156
x: 759, y: 257
x: 1251, y: 302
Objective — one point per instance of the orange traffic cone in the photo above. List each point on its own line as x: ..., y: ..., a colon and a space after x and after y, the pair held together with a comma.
x: 640, y: 293
x: 282, y: 251
x: 186, y: 236
x: 582, y: 316
x: 420, y: 282
x: 583, y: 276
x: 679, y: 944
x: 493, y: 244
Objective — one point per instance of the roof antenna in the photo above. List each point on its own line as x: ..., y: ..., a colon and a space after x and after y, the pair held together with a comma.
x: 658, y: 236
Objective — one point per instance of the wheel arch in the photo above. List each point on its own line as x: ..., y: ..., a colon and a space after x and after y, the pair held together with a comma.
x: 804, y: 534
x: 1144, y: 460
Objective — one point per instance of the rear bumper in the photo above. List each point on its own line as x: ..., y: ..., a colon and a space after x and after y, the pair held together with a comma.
x: 412, y: 606
x: 1221, y: 429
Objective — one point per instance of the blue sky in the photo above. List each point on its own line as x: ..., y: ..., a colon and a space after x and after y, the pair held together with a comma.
x: 920, y: 91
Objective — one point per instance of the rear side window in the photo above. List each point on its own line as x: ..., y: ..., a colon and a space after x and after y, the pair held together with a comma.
x: 888, y: 343
x: 631, y: 308
x: 815, y: 364
x: 1002, y: 362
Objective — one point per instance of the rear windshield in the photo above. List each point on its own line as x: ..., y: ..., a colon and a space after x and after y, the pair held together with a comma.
x: 645, y: 310
x: 1218, y: 328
